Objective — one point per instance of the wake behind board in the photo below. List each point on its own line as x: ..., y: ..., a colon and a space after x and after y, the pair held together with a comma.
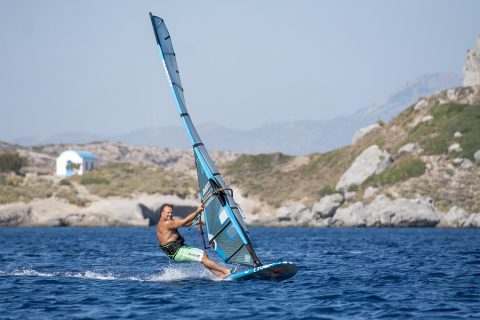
x: 277, y: 271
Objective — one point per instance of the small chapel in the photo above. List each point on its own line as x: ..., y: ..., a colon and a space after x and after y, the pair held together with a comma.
x: 75, y: 162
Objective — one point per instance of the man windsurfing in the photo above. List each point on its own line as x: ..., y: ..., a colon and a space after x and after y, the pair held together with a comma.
x: 173, y: 244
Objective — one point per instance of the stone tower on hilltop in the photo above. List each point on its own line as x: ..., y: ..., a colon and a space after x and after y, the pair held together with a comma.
x: 471, y: 70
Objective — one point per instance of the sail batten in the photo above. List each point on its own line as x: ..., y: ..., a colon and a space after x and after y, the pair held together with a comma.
x: 226, y: 230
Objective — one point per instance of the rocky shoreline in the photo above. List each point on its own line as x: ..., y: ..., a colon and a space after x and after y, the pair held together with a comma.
x: 330, y: 211
x: 107, y: 212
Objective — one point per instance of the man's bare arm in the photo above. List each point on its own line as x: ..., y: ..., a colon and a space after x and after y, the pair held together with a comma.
x: 185, y: 222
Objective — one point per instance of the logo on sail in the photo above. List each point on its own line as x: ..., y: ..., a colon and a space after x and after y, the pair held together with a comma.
x: 166, y: 72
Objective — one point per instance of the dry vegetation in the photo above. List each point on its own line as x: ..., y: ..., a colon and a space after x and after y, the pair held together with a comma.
x: 125, y: 179
x: 19, y: 189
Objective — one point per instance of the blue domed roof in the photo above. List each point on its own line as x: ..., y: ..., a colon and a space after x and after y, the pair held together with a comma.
x: 87, y: 155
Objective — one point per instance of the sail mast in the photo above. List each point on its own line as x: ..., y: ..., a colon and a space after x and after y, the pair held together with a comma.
x: 226, y: 230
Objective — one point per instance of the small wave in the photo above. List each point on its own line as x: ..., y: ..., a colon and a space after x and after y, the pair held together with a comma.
x: 93, y: 275
x: 356, y: 252
x: 170, y: 273
x: 135, y: 278
x: 32, y: 273
x: 177, y: 273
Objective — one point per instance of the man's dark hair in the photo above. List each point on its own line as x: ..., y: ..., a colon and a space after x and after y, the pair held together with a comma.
x: 163, y: 207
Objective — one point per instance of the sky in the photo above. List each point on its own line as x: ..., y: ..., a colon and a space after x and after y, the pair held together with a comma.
x: 93, y: 66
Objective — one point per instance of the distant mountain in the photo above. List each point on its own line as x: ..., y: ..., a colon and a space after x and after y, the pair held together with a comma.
x: 422, y: 86
x: 298, y: 137
x: 61, y: 138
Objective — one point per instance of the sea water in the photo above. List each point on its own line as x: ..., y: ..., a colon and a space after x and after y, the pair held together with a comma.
x: 121, y: 273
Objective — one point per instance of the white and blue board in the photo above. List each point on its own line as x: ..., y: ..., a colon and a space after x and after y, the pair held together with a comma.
x: 277, y: 271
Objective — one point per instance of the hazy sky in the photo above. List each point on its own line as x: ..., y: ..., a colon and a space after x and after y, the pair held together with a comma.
x: 94, y: 66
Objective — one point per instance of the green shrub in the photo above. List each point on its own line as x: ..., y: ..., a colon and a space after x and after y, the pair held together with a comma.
x: 435, y: 137
x: 398, y: 172
x: 327, y: 190
x: 65, y: 182
x: 12, y: 162
x: 18, y: 189
x: 72, y: 197
x: 14, y: 181
x: 94, y: 180
x: 352, y: 188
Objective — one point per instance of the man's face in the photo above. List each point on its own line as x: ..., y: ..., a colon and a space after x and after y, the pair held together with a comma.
x: 167, y: 213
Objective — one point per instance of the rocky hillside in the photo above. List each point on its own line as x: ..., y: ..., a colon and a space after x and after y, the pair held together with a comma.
x: 128, y: 182
x: 42, y: 157
x: 429, y: 137
x: 420, y: 169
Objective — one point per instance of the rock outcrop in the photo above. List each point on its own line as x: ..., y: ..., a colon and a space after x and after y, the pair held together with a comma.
x: 382, y: 212
x: 421, y: 103
x: 364, y: 131
x: 327, y: 206
x: 455, y: 217
x: 112, y: 211
x: 455, y: 148
x: 15, y: 215
x: 371, y: 161
x: 369, y: 192
x: 97, y: 220
x: 297, y: 215
x: 471, y: 69
x: 428, y: 118
x: 476, y: 156
x: 407, y: 148
x: 351, y: 216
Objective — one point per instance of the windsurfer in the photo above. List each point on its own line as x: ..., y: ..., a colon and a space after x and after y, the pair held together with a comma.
x: 173, y: 244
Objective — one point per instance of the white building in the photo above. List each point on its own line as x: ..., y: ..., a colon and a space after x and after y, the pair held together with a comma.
x: 74, y: 162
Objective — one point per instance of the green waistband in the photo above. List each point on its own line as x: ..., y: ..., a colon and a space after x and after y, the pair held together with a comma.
x: 172, y: 247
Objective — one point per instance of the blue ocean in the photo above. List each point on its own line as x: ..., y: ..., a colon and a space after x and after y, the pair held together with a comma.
x: 120, y: 273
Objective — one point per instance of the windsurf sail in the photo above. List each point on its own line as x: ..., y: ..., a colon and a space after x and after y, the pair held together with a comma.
x: 226, y: 228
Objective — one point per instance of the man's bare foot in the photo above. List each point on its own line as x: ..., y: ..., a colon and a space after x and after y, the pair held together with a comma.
x: 228, y: 272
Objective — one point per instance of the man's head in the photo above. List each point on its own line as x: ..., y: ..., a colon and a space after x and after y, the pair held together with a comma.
x: 166, y: 211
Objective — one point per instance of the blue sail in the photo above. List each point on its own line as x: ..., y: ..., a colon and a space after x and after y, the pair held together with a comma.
x: 226, y: 228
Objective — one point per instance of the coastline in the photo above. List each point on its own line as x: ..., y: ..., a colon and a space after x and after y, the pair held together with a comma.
x: 141, y: 210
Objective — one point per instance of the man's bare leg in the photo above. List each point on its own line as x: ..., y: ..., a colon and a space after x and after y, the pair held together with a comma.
x: 214, y: 268
x: 216, y: 273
